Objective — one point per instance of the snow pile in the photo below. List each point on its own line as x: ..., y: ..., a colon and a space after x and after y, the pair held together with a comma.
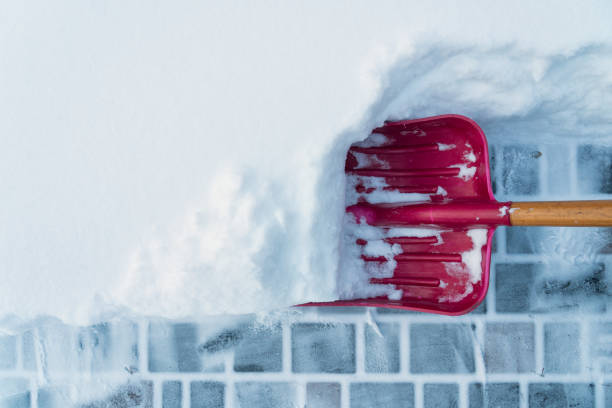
x: 152, y: 168
x: 245, y: 249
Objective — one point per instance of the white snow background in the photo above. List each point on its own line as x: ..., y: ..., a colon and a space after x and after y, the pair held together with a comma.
x: 184, y: 159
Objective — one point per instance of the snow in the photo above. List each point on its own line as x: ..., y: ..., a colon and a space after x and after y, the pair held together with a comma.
x: 353, y: 280
x: 189, y: 161
x: 186, y: 160
x: 354, y: 273
x: 470, y: 156
x: 373, y: 140
x: 473, y: 258
x: 365, y: 161
x: 442, y: 147
x: 503, y: 210
x: 442, y: 192
x: 465, y: 172
x: 376, y: 193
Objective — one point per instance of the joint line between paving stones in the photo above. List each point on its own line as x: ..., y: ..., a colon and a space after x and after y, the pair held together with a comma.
x: 344, y: 394
x: 19, y: 352
x: 157, y: 393
x: 478, y: 347
x: 585, y: 335
x: 301, y: 393
x: 286, y: 348
x: 230, y: 391
x: 360, y: 346
x: 404, y: 347
x: 185, y: 393
x: 33, y: 387
x: 419, y: 400
x: 599, y: 395
x: 230, y: 384
x: 143, y: 346
x: 523, y: 394
x: 538, y: 344
x: 463, y: 395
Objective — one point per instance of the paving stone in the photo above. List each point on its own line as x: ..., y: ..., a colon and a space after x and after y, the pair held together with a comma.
x: 382, y: 348
x: 163, y: 355
x: 503, y: 340
x: 531, y: 288
x: 520, y: 169
x: 108, y: 347
x: 521, y: 240
x: 265, y: 395
x: 606, y: 233
x: 480, y: 309
x: 595, y: 169
x: 54, y: 397
x: 133, y: 395
x: 323, y: 348
x: 607, y: 395
x: 223, y: 341
x: 172, y: 393
x: 29, y: 351
x: 323, y: 395
x: 557, y: 395
x: 8, y: 354
x: 205, y: 394
x: 513, y: 287
x: 215, y: 344
x: 103, y: 347
x: 601, y: 345
x: 441, y: 348
x: 441, y: 395
x: 558, y: 167
x: 186, y: 343
x: 177, y: 348
x: 14, y: 393
x: 528, y: 240
x: 60, y: 348
x: 475, y: 396
x: 381, y: 395
x: 585, y: 290
x: 498, y: 395
x: 502, y: 395
x: 259, y: 350
x: 561, y: 348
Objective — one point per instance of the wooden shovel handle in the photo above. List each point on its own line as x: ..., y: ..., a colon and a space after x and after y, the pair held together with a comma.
x: 562, y: 213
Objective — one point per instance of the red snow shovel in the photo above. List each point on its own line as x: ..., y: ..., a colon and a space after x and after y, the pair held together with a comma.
x: 441, y: 166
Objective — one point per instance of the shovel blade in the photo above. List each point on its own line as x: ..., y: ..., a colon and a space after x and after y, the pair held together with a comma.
x: 431, y: 174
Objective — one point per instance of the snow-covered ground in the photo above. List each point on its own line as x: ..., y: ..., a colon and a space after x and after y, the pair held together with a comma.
x: 186, y: 159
